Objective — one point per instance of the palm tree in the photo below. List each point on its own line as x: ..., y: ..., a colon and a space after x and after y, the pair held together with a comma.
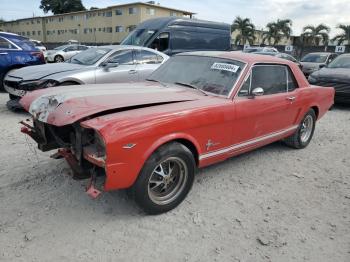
x: 314, y: 34
x: 277, y: 30
x: 344, y: 36
x: 246, y: 30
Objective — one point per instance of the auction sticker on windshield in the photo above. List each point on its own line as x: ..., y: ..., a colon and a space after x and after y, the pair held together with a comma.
x: 225, y: 67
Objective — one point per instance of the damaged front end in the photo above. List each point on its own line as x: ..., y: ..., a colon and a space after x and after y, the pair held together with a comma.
x: 82, y: 148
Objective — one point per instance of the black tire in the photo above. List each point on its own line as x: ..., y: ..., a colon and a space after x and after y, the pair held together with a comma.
x: 68, y: 83
x: 145, y: 195
x: 13, y: 97
x: 2, y: 76
x: 296, y: 140
x: 58, y: 59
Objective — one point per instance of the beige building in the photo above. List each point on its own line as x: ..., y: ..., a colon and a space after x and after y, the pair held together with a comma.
x: 105, y: 25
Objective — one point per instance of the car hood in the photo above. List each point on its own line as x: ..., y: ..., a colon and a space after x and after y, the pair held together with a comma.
x: 333, y: 74
x: 63, y: 106
x: 40, y: 71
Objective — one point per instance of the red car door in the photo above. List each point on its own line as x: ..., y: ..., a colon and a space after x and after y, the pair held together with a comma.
x: 259, y: 118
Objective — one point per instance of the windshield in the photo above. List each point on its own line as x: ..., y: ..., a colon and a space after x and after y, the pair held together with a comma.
x: 138, y: 37
x: 210, y: 74
x: 340, y: 62
x: 89, y: 56
x: 315, y: 58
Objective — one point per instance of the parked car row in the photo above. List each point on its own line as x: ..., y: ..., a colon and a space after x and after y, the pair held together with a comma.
x: 105, y: 64
x: 145, y: 122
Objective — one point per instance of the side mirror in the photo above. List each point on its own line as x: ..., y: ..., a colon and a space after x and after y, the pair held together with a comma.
x: 322, y: 66
x: 258, y: 91
x: 106, y: 65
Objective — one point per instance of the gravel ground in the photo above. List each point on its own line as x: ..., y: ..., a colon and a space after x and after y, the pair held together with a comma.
x: 273, y: 204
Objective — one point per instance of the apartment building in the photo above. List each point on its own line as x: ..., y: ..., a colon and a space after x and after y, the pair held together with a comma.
x: 104, y: 25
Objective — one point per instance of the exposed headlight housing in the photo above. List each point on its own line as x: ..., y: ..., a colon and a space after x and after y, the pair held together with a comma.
x: 37, y: 84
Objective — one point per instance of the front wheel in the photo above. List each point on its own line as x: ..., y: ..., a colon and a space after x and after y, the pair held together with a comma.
x: 58, y: 59
x: 303, y: 135
x: 165, y: 179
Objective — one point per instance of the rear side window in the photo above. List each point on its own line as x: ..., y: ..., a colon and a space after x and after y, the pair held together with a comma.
x: 123, y: 57
x: 292, y: 82
x: 4, y: 44
x: 198, y: 41
x: 147, y: 57
x: 161, y: 43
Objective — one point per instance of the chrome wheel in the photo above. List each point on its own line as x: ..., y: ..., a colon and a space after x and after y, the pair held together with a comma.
x: 306, y: 129
x: 167, y: 180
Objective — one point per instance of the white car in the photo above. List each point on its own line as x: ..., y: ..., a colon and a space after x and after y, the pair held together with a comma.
x: 38, y: 44
x: 63, y: 53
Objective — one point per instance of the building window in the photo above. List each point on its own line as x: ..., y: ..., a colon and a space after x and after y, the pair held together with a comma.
x: 109, y: 29
x: 32, y: 22
x: 131, y: 28
x: 60, y: 19
x: 99, y: 29
x: 132, y: 10
x: 33, y: 32
x: 119, y: 12
x: 109, y: 13
x: 172, y: 13
x: 28, y: 33
x: 38, y: 21
x: 150, y: 11
x: 86, y: 30
x: 39, y: 32
x: 119, y: 29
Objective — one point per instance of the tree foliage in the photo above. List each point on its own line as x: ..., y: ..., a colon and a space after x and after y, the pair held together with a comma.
x: 344, y: 36
x: 246, y: 30
x: 61, y: 6
x: 314, y: 34
x: 277, y: 30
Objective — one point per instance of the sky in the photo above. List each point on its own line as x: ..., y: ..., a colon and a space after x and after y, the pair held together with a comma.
x: 302, y: 12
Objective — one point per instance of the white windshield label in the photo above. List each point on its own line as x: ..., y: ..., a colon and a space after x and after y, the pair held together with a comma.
x: 225, y: 67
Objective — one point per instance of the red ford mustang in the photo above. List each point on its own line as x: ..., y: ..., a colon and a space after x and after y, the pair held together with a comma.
x: 197, y: 109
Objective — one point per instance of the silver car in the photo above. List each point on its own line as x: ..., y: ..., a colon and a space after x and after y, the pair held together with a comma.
x: 105, y: 64
x: 313, y: 62
x: 63, y: 53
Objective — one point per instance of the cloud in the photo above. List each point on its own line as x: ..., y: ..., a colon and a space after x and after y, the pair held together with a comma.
x: 302, y: 12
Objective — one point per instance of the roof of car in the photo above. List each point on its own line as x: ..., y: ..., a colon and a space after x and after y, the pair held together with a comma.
x: 241, y: 56
x: 160, y: 22
x: 320, y: 53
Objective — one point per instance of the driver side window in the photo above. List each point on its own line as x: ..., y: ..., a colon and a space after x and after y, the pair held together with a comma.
x: 123, y: 57
x: 161, y: 43
x: 272, y: 78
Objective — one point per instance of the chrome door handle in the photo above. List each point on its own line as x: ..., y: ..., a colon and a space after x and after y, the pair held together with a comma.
x: 132, y: 72
x: 291, y: 98
x: 4, y: 53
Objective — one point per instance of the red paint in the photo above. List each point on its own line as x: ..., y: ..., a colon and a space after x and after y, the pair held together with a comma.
x: 228, y: 122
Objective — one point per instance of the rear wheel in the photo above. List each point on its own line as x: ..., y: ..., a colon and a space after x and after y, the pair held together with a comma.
x: 303, y: 135
x: 165, y: 179
x: 59, y: 59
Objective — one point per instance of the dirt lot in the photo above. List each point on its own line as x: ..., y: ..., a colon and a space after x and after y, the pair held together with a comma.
x: 273, y: 204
